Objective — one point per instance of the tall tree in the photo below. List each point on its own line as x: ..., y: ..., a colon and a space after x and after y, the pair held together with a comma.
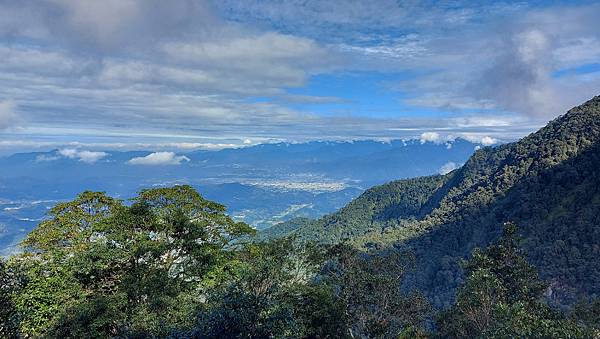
x: 105, y: 268
x: 9, y: 317
x: 369, y: 286
x: 502, y: 297
x: 273, y: 295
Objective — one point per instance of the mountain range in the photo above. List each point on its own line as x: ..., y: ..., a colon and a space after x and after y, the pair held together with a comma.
x: 261, y: 185
x: 548, y: 183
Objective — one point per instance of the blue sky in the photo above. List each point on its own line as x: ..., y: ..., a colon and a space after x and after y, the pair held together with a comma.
x: 187, y: 74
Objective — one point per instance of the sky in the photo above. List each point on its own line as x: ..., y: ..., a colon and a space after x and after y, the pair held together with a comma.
x: 191, y: 74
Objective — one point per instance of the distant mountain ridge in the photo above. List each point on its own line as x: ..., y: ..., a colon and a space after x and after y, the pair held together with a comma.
x: 548, y: 183
x: 262, y: 185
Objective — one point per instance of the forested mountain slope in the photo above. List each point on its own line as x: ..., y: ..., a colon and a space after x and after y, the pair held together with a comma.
x: 400, y: 200
x: 548, y: 183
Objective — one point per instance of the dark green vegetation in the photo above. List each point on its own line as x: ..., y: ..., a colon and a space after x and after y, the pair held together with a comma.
x: 548, y: 183
x: 174, y: 264
x: 400, y: 201
x: 502, y: 297
x: 97, y: 266
x: 168, y: 266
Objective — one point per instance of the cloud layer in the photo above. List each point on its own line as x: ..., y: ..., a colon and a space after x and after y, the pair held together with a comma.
x: 125, y: 71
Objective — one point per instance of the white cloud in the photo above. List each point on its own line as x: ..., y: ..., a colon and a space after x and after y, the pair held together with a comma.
x: 68, y: 153
x: 39, y: 61
x: 247, y: 51
x: 91, y: 157
x: 193, y: 145
x: 430, y: 137
x: 88, y: 157
x: 191, y: 65
x: 109, y: 66
x: 8, y: 117
x: 46, y: 157
x: 159, y: 158
x: 448, y: 167
x: 485, y: 140
x: 20, y: 145
x: 488, y: 141
x: 476, y: 138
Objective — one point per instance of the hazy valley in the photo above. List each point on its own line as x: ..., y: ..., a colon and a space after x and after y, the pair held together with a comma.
x: 262, y: 185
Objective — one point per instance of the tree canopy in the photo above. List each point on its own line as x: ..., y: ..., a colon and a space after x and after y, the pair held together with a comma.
x: 172, y: 264
x: 98, y: 264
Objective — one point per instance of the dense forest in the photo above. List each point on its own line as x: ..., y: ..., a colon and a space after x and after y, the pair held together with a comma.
x: 505, y: 247
x: 548, y: 183
x: 173, y: 264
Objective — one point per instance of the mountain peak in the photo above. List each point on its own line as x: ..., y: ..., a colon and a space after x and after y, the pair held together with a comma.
x: 590, y: 106
x: 572, y: 132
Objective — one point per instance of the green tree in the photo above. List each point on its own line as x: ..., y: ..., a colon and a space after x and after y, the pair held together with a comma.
x: 273, y: 295
x: 369, y: 287
x: 9, y: 317
x: 98, y: 267
x: 503, y: 297
x: 586, y: 313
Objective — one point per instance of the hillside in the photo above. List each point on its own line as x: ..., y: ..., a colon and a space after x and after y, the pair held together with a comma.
x: 548, y: 183
x: 400, y: 200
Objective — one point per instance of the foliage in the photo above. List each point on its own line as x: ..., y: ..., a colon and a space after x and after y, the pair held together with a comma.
x: 369, y: 287
x: 402, y: 199
x: 114, y: 271
x: 586, y: 313
x: 9, y: 317
x: 273, y: 295
x: 502, y: 298
x: 99, y: 267
x: 288, y: 289
x: 173, y: 264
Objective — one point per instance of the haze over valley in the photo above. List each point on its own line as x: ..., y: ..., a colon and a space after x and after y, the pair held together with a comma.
x: 262, y: 185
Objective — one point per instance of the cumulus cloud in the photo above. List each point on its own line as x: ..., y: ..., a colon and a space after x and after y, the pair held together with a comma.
x: 488, y: 141
x: 485, y: 140
x: 89, y: 157
x: 448, y: 167
x: 159, y: 159
x: 510, y: 64
x: 430, y: 137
